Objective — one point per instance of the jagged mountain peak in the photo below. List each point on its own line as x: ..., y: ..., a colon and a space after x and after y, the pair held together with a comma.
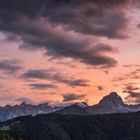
x: 112, y: 99
x: 113, y: 94
x: 111, y: 103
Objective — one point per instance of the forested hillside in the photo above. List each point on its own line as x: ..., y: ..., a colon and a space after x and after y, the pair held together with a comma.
x: 70, y: 127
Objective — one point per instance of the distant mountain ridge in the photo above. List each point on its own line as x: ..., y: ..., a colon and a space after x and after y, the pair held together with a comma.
x: 109, y: 104
x: 10, y: 112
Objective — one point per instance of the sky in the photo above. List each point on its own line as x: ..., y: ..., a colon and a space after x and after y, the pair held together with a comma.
x: 62, y: 51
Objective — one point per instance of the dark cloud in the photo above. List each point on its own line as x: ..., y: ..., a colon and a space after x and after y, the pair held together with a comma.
x: 133, y: 97
x: 101, y: 26
x: 100, y: 88
x: 54, y: 76
x: 130, y: 87
x: 138, y: 25
x: 40, y: 86
x: 61, y: 44
x: 35, y: 74
x: 64, y: 28
x: 73, y: 97
x: 94, y: 55
x: 9, y: 66
x: 133, y: 93
x: 131, y: 65
x: 87, y: 16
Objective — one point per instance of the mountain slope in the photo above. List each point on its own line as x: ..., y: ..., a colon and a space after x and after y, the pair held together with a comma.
x: 73, y: 110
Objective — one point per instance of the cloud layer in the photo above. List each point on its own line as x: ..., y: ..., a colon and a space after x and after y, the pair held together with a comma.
x: 73, y: 97
x: 54, y: 76
x: 40, y: 86
x: 66, y: 28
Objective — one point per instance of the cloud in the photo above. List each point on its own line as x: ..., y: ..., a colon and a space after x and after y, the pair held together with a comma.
x: 129, y: 88
x: 40, y: 86
x: 54, y: 76
x: 88, y: 17
x: 100, y: 88
x: 133, y: 97
x: 94, y: 55
x: 138, y: 25
x: 133, y: 93
x: 100, y: 24
x: 66, y: 28
x: 9, y: 66
x: 73, y: 97
x: 131, y: 65
x: 59, y: 43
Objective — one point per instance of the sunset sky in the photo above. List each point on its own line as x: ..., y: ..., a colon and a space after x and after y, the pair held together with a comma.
x: 69, y: 50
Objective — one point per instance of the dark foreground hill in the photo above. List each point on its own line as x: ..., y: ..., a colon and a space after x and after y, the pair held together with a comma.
x: 69, y: 127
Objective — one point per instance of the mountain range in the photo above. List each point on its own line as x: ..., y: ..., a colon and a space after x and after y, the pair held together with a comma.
x: 9, y: 112
x: 111, y: 103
